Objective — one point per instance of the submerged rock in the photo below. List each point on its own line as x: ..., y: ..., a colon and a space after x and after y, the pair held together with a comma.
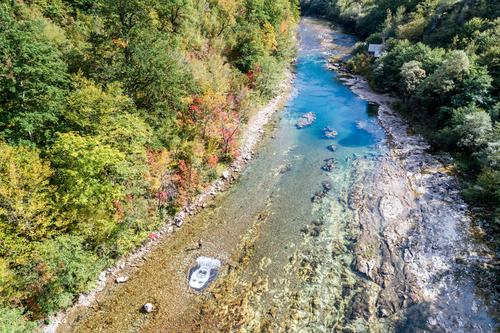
x: 285, y: 168
x: 306, y: 120
x: 329, y: 132
x: 178, y: 222
x: 315, y: 232
x: 327, y: 185
x: 329, y: 165
x: 318, y: 196
x: 318, y: 222
x: 332, y: 148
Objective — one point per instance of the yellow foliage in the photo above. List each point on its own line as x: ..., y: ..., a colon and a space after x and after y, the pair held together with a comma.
x: 120, y: 42
x: 6, y: 277
x: 159, y: 162
x: 54, y: 33
x: 269, y: 37
x: 25, y: 207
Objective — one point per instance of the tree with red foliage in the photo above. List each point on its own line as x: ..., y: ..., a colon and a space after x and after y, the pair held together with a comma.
x: 187, y: 180
x: 229, y: 127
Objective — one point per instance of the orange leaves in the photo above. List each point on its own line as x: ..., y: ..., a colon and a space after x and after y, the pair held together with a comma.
x: 213, y: 161
x: 119, y: 211
x: 284, y: 26
x: 120, y: 42
x: 187, y: 181
x: 159, y: 162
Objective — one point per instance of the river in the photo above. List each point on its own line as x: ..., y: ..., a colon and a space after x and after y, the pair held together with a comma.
x: 354, y: 259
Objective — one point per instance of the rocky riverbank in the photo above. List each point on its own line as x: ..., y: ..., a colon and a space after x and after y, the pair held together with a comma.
x: 417, y: 241
x: 253, y: 133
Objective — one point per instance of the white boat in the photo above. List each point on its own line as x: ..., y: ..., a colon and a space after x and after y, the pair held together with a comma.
x: 203, y: 273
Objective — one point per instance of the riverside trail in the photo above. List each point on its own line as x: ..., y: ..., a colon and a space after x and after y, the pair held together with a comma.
x: 382, y: 242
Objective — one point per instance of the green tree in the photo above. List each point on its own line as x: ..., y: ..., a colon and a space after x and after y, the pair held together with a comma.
x: 172, y: 14
x: 89, y: 176
x: 157, y: 78
x: 123, y: 19
x: 472, y: 127
x: 474, y: 88
x: 90, y: 108
x: 68, y: 269
x: 388, y: 68
x: 25, y: 194
x: 13, y: 321
x: 440, y: 84
x: 269, y: 77
x: 250, y: 48
x: 33, y: 80
x: 412, y: 74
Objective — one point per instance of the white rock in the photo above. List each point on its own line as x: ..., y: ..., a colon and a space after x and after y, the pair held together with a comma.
x: 148, y: 308
x: 226, y: 174
x: 102, y: 276
x: 121, y: 279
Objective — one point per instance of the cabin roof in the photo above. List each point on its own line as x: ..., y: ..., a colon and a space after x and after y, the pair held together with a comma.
x: 375, y: 49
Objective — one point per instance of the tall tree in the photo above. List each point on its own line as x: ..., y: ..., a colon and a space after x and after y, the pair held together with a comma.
x: 32, y: 80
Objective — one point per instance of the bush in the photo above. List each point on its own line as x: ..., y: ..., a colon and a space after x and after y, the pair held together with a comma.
x: 269, y: 76
x: 68, y: 269
x: 13, y: 321
x: 472, y: 127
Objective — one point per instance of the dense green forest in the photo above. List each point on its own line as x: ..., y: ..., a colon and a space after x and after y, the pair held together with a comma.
x: 113, y: 114
x: 442, y: 57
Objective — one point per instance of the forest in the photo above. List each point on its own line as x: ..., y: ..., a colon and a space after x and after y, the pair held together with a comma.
x: 442, y: 58
x: 113, y: 115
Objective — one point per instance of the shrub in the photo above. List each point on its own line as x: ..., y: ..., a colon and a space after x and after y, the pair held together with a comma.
x: 13, y: 321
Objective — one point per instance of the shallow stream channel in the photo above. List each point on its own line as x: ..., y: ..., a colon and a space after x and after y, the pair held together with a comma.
x: 355, y: 232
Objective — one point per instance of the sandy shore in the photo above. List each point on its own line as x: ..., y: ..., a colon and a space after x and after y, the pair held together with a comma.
x: 253, y: 133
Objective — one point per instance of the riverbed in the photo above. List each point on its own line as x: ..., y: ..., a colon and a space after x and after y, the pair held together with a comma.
x: 379, y: 243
